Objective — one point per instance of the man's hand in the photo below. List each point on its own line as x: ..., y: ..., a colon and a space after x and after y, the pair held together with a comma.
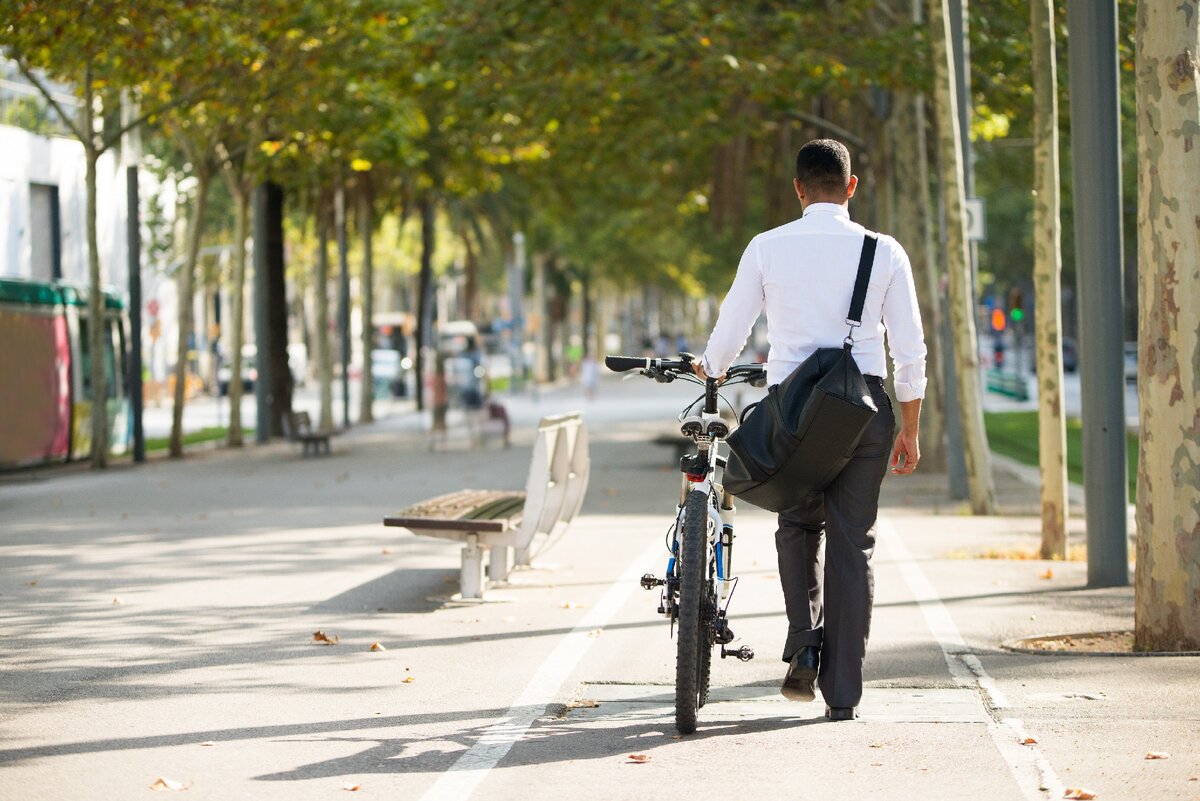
x: 698, y: 369
x: 905, y: 453
x: 907, y: 450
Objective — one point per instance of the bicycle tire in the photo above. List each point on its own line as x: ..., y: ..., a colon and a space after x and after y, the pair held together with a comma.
x: 689, y: 633
x: 708, y: 614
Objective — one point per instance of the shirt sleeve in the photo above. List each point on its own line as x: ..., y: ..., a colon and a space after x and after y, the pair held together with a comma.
x: 905, y: 336
x: 739, y: 310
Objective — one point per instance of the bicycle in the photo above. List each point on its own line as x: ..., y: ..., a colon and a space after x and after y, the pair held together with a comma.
x: 697, y: 585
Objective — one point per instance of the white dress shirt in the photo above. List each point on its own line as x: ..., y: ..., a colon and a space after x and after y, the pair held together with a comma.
x: 803, y: 274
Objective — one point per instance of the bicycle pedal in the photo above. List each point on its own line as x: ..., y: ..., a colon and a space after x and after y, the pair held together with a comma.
x: 743, y: 654
x: 650, y: 581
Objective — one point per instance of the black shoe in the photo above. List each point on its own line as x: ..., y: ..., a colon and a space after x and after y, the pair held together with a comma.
x: 802, y: 672
x: 841, y: 712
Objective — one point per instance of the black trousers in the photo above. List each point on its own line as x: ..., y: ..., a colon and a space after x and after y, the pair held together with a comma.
x: 829, y: 596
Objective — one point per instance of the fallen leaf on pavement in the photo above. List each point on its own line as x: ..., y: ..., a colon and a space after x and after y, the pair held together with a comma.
x: 583, y: 703
x: 571, y: 605
x: 117, y: 602
x: 1028, y: 741
x: 638, y: 758
x: 1078, y: 792
x: 377, y: 646
x: 167, y: 784
x: 595, y: 632
x: 877, y: 745
x: 386, y: 551
x: 325, y: 639
x: 33, y: 583
x: 1157, y: 755
x: 407, y: 680
x: 1049, y: 574
x: 354, y: 788
x: 676, y: 736
x: 207, y: 744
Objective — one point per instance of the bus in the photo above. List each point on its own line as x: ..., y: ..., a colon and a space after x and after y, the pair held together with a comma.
x: 45, y: 375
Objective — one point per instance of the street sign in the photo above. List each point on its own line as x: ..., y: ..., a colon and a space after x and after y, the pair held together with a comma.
x: 974, y: 212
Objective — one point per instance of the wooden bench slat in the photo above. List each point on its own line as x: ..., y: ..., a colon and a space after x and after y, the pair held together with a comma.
x: 501, y: 507
x: 415, y: 523
x: 465, y: 510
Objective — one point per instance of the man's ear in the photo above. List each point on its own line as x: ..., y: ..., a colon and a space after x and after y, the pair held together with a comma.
x: 850, y: 187
x: 799, y: 188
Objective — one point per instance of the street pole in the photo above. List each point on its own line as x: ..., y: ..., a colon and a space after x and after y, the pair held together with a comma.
x: 339, y: 213
x: 132, y: 147
x: 1096, y: 179
x: 956, y: 462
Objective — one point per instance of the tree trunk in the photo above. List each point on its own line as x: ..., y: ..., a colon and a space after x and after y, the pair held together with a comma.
x: 471, y: 288
x: 187, y: 281
x: 914, y: 224
x: 541, y: 321
x: 367, y: 290
x: 424, y: 291
x: 1167, y: 580
x: 96, y: 327
x: 321, y: 290
x: 962, y: 318
x: 236, y: 324
x: 1047, y: 284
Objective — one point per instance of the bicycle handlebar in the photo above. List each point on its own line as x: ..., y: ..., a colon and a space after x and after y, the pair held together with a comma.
x: 621, y: 364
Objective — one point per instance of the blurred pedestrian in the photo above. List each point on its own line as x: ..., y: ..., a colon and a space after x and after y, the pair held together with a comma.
x: 589, y: 376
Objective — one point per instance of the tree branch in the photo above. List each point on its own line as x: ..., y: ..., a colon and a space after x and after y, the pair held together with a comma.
x: 179, y: 101
x: 821, y: 122
x: 28, y: 73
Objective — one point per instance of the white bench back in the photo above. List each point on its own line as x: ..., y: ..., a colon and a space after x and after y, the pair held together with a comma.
x: 558, y: 476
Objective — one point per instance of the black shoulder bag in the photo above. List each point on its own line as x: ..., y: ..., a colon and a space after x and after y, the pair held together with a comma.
x: 797, y: 439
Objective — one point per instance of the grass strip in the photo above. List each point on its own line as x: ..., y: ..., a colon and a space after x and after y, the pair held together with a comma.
x: 1015, y: 435
x: 193, y: 437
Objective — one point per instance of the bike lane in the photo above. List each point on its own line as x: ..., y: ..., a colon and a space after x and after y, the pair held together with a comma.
x: 922, y: 732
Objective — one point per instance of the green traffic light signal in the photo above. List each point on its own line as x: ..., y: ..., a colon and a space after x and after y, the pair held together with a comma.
x: 1018, y: 315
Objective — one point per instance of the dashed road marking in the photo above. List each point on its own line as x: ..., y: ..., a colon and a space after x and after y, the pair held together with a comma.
x: 472, y: 768
x: 1034, y: 775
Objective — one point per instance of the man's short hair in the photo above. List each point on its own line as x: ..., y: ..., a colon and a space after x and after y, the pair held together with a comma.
x: 823, y: 166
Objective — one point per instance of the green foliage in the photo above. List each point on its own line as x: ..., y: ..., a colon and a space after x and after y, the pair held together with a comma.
x: 643, y: 142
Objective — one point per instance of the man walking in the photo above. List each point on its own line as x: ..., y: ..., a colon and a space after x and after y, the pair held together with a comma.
x: 803, y: 274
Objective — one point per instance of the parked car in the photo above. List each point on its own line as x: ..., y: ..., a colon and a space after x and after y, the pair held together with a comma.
x: 1070, y: 355
x: 389, y: 373
x: 1131, y: 361
x: 249, y: 370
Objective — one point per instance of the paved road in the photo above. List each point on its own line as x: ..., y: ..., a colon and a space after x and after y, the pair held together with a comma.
x: 157, y: 622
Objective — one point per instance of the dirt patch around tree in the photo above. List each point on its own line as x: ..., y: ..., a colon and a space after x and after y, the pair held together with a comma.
x: 1090, y: 643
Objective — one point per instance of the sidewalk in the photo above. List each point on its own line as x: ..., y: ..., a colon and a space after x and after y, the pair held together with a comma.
x: 157, y: 622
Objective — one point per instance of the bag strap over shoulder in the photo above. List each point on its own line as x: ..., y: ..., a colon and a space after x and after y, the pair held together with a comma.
x: 866, y: 260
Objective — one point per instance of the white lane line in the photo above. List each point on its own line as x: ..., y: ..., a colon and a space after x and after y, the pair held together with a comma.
x: 1033, y: 773
x: 470, y: 769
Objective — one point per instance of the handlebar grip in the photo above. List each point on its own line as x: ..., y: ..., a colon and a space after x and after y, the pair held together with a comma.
x: 621, y: 364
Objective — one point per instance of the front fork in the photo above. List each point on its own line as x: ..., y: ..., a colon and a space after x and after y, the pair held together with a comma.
x: 721, y: 538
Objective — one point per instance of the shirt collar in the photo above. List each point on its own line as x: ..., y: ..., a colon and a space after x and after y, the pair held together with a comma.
x: 827, y: 208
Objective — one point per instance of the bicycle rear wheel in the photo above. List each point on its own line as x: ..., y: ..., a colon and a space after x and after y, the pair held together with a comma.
x: 690, y: 635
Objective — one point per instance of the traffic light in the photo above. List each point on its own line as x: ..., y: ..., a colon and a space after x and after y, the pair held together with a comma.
x: 1016, y: 307
x: 998, y: 321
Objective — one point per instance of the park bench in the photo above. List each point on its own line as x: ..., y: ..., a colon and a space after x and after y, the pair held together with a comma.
x: 297, y: 427
x: 499, y: 520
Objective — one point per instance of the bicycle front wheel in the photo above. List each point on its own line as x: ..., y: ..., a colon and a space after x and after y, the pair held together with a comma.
x: 690, y: 635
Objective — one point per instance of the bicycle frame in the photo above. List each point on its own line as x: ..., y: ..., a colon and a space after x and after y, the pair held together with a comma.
x: 699, y: 581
